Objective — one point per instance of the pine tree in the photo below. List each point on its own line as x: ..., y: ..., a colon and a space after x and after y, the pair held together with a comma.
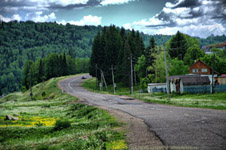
x: 27, y: 74
x: 96, y: 48
x: 41, y: 71
x: 126, y: 64
x: 178, y: 46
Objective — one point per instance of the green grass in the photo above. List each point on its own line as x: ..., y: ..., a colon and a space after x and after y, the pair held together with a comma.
x: 54, y: 120
x: 90, y: 84
x: 212, y: 101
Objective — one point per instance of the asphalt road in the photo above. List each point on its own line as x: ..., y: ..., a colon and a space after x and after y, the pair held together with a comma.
x: 177, y: 127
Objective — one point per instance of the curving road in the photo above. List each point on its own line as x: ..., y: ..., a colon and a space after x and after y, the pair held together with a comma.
x: 177, y: 127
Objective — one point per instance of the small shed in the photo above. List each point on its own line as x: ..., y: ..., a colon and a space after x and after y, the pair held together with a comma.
x: 189, y: 84
x: 156, y: 87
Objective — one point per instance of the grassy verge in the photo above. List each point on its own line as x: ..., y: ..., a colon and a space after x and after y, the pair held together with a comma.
x: 53, y: 120
x: 212, y: 101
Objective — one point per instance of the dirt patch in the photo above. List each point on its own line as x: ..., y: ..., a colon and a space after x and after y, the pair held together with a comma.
x: 138, y: 135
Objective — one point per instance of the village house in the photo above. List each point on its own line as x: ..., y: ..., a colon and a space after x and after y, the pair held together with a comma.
x: 199, y: 80
x: 189, y: 84
x: 207, y: 49
x: 201, y: 68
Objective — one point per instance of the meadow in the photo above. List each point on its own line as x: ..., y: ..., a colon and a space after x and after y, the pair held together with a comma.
x: 55, y: 120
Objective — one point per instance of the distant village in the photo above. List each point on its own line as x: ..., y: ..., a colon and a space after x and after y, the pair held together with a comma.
x: 201, y: 78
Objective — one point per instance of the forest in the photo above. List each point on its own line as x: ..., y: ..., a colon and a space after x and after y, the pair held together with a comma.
x: 23, y: 41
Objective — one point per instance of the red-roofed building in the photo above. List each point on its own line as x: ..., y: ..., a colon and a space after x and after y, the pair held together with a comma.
x: 207, y: 49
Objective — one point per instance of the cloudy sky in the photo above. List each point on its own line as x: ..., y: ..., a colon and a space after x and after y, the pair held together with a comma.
x: 194, y: 17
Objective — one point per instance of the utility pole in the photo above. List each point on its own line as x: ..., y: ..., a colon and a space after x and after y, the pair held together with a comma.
x: 113, y: 80
x: 96, y: 78
x: 104, y: 80
x: 131, y: 92
x: 135, y: 80
x: 167, y: 81
x: 101, y: 81
x: 212, y: 86
x: 30, y: 82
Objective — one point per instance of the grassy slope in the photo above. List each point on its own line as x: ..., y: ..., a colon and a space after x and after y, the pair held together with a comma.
x: 91, y: 127
x: 213, y: 101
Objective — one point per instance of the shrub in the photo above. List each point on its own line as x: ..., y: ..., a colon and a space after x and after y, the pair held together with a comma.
x: 43, y: 93
x: 62, y: 124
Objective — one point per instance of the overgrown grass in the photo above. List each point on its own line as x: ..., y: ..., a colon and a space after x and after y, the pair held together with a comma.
x: 121, y: 89
x: 212, y: 101
x: 54, y: 120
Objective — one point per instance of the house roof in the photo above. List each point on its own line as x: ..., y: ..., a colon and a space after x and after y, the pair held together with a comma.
x: 196, y: 80
x: 202, y: 63
x: 192, y: 79
x: 221, y: 45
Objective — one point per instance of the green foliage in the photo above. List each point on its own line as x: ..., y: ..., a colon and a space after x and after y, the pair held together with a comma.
x: 54, y: 65
x: 158, y: 68
x: 62, y: 124
x: 113, y: 47
x: 193, y: 54
x: 212, y: 40
x: 178, y: 46
x: 140, y: 67
x: 219, y: 62
x: 22, y: 41
x: 178, y: 67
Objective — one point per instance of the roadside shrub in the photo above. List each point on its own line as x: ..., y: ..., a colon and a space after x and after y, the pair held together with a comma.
x: 23, y: 89
x: 43, y: 93
x: 62, y: 124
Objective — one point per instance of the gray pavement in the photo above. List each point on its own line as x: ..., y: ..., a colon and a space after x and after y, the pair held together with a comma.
x: 177, y: 127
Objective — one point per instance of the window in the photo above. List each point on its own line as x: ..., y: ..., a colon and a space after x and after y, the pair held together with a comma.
x: 195, y: 70
x: 204, y: 70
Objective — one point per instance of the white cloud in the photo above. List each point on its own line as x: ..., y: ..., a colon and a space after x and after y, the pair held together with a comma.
x: 86, y: 20
x: 200, y: 19
x: 5, y: 19
x: 16, y: 17
x: 8, y: 19
x: 114, y: 2
x: 39, y: 17
x: 127, y: 26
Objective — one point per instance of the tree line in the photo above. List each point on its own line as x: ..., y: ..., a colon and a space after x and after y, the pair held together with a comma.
x: 22, y: 41
x: 115, y: 49
x: 54, y: 65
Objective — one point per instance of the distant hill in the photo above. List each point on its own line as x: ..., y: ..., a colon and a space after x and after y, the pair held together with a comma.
x: 212, y: 40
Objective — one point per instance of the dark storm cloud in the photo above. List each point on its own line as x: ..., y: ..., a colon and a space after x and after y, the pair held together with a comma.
x: 13, y: 3
x: 188, y: 3
x: 213, y: 9
x: 90, y: 3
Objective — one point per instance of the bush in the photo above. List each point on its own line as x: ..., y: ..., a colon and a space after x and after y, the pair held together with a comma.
x: 43, y: 93
x: 62, y: 124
